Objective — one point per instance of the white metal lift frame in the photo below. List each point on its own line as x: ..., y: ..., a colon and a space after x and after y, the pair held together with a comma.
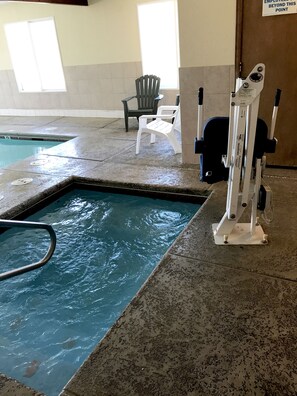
x: 244, y: 178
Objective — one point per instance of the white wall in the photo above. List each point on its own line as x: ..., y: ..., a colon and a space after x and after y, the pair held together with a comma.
x: 107, y: 31
x: 104, y: 32
x: 207, y: 32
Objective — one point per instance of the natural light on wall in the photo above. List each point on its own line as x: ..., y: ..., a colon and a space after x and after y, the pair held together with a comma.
x: 35, y: 55
x: 158, y: 28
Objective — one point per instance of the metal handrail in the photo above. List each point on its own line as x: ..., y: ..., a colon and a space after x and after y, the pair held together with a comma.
x: 44, y: 260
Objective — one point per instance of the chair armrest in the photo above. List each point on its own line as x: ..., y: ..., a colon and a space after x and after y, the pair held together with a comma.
x: 156, y: 102
x: 125, y: 104
x: 129, y: 98
x: 166, y: 108
x: 159, y: 97
x: 144, y: 118
x: 163, y: 117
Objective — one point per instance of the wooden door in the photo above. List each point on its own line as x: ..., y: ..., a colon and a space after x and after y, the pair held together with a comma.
x: 271, y: 40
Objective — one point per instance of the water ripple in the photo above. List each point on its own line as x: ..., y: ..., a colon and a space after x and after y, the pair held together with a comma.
x: 107, y: 245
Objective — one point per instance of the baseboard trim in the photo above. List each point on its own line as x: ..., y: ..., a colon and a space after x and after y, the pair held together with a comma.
x: 62, y: 113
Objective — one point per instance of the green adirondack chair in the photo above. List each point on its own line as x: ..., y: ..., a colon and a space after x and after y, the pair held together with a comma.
x: 146, y: 99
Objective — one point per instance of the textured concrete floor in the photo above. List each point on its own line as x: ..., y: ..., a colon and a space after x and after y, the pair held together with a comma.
x: 211, y: 320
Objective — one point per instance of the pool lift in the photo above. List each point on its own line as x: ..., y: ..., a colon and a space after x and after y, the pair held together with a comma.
x: 233, y: 149
x: 35, y: 225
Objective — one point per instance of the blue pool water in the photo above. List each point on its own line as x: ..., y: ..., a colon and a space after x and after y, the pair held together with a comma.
x: 12, y: 150
x: 107, y: 246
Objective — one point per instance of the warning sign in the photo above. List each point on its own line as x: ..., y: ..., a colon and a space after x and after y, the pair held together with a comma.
x: 277, y: 7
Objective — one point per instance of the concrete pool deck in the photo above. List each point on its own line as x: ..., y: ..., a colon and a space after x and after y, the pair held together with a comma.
x: 211, y: 320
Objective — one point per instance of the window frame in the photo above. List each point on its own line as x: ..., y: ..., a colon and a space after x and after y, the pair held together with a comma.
x: 22, y: 79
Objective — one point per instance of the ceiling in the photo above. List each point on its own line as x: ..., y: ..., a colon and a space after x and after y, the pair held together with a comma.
x: 68, y: 2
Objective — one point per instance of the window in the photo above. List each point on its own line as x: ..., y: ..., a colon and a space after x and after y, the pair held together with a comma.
x: 158, y: 30
x: 35, y: 55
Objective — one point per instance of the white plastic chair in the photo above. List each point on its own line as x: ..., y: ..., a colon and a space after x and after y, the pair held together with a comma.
x: 161, y: 127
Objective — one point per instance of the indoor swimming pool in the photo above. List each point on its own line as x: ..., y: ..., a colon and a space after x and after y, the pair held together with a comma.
x: 14, y: 149
x: 107, y: 246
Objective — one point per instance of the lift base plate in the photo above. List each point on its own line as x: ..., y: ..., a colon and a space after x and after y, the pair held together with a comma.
x: 241, y: 235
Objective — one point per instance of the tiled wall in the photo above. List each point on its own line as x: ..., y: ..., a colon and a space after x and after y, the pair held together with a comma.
x: 218, y: 82
x: 92, y: 90
x: 97, y: 90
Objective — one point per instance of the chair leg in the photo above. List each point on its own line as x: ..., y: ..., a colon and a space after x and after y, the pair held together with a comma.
x: 126, y: 122
x: 138, y: 140
x: 153, y: 138
x: 174, y: 143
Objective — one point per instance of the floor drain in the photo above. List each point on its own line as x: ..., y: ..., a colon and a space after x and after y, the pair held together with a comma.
x: 39, y: 162
x: 21, y: 182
